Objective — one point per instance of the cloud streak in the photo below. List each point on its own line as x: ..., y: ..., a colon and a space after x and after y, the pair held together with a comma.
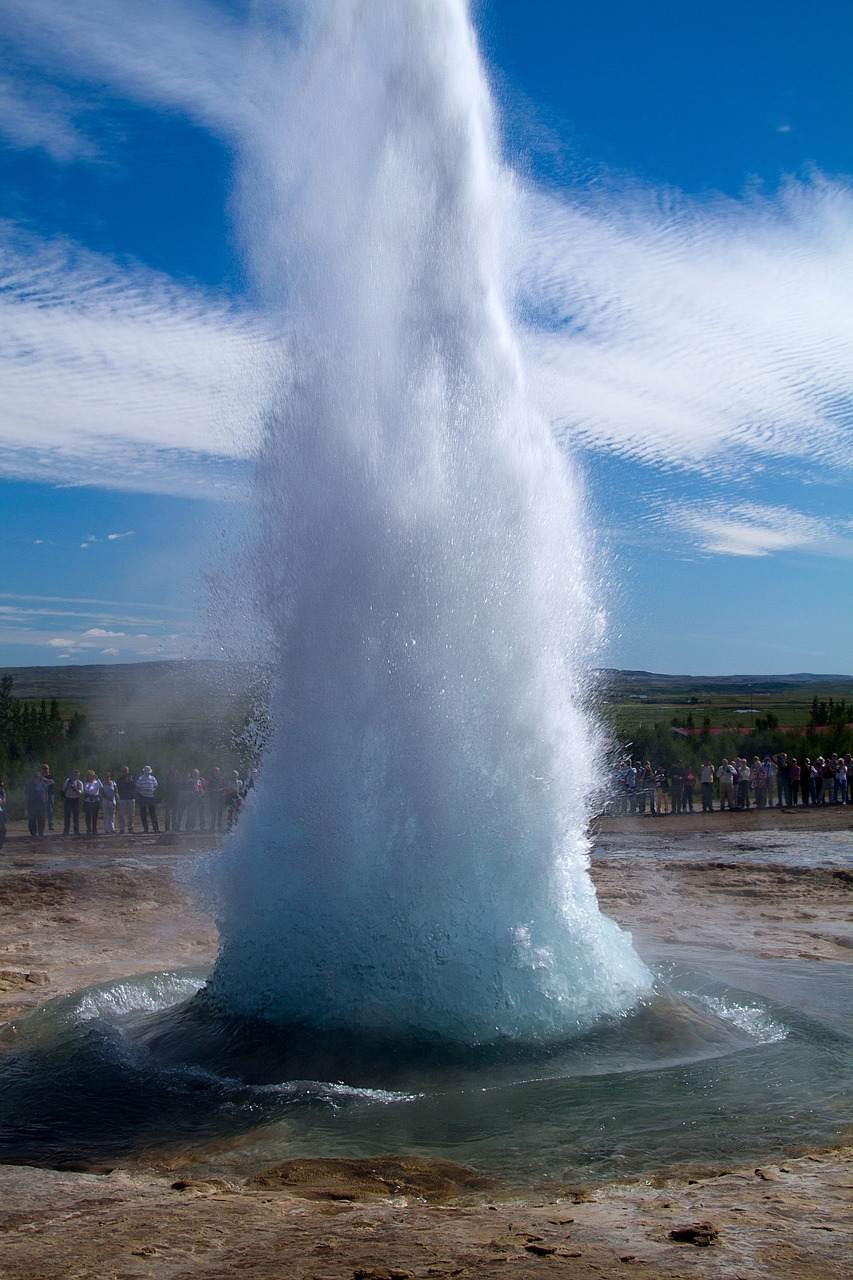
x: 708, y: 335
x: 132, y: 631
x: 121, y: 377
x: 753, y: 529
x: 180, y: 54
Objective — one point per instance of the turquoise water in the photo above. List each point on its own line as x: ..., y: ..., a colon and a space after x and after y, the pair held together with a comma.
x: 705, y: 1073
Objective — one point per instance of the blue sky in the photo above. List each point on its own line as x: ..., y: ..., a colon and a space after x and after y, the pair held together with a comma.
x: 687, y: 275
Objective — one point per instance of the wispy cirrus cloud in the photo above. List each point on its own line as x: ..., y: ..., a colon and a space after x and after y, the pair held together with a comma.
x: 120, y: 376
x: 755, y: 529
x: 182, y: 54
x: 714, y: 335
x: 36, y: 116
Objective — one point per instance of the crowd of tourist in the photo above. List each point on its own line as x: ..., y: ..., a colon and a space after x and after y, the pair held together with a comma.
x: 780, y: 781
x: 182, y: 799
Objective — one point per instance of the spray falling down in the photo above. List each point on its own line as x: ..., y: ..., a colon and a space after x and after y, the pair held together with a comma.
x: 414, y: 862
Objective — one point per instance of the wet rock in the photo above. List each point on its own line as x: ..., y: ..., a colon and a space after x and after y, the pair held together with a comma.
x: 382, y: 1273
x: 700, y: 1234
x: 341, y: 1179
x: 12, y: 978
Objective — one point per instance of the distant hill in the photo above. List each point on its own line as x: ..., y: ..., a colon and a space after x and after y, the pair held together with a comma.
x: 167, y: 683
x: 142, y: 693
x: 650, y: 683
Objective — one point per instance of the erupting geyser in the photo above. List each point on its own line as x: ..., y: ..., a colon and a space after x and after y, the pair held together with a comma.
x: 414, y: 862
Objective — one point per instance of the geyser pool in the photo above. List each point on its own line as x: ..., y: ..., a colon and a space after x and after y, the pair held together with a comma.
x: 137, y: 1070
x: 414, y: 861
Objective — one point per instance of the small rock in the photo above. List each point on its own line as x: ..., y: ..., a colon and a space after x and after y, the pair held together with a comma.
x: 382, y: 1273
x: 540, y: 1248
x: 767, y: 1175
x: 701, y: 1234
x: 38, y: 977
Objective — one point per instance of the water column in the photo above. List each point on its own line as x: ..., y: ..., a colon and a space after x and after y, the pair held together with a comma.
x: 413, y: 862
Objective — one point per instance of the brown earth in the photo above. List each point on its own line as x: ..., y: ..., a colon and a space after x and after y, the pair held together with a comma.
x: 76, y: 912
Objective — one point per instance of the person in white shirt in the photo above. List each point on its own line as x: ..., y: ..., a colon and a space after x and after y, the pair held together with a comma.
x: 146, y: 793
x: 726, y: 776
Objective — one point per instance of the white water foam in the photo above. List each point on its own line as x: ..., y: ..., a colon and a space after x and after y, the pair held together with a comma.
x: 414, y: 861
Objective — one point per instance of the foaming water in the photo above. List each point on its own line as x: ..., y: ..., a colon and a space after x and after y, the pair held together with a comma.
x: 144, y: 1070
x: 414, y: 863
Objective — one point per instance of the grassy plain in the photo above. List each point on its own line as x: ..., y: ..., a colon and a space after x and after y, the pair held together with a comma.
x: 643, y: 698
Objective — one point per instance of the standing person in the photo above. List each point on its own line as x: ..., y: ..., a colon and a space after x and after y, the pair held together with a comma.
x: 197, y: 808
x: 744, y: 784
x: 146, y: 794
x: 645, y: 780
x: 126, y: 788
x: 706, y: 786
x: 233, y: 798
x: 50, y: 783
x: 770, y: 770
x: 806, y: 782
x: 216, y: 800
x: 839, y: 786
x: 2, y: 813
x: 109, y: 799
x: 725, y: 777
x: 169, y: 794
x: 186, y: 802
x: 200, y: 788
x: 794, y: 773
x: 91, y: 801
x: 35, y: 796
x: 72, y: 794
x: 759, y: 783
x: 676, y: 786
x: 192, y: 796
x: 664, y: 799
x: 689, y: 784
x: 630, y: 786
x: 783, y: 786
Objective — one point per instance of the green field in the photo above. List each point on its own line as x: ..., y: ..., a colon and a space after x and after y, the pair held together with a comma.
x: 631, y: 698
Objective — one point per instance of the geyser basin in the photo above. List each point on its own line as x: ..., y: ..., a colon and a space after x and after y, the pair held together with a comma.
x: 141, y: 1070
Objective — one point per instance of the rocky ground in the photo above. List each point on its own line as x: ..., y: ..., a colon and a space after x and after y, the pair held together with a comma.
x: 76, y: 912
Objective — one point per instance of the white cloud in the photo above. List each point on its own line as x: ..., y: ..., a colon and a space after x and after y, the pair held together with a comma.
x: 707, y: 334
x: 111, y: 537
x: 752, y: 529
x: 34, y: 115
x: 49, y: 623
x: 121, y: 378
x: 181, y: 54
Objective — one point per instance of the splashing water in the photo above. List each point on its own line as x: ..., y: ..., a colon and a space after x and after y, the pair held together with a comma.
x: 414, y: 863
